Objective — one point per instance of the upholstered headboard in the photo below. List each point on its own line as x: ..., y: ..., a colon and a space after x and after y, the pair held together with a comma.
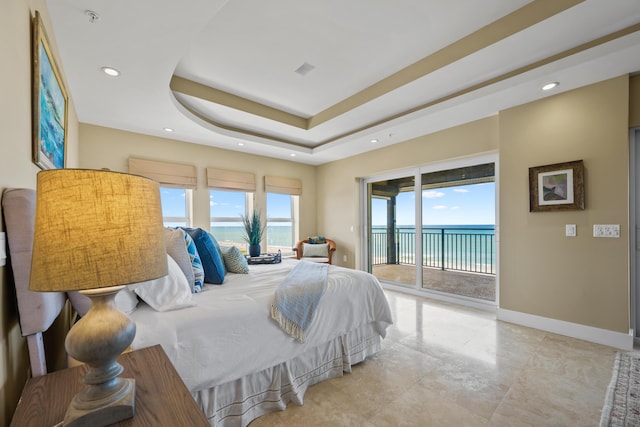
x: 36, y: 310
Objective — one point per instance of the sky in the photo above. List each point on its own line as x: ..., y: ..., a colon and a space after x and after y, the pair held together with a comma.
x: 230, y: 204
x: 465, y: 204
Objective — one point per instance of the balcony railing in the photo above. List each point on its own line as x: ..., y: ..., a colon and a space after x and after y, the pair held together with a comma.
x: 459, y: 249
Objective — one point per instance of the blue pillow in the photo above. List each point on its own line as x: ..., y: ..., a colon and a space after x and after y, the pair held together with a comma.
x: 196, y: 263
x: 209, y: 255
x: 217, y: 245
x: 315, y: 240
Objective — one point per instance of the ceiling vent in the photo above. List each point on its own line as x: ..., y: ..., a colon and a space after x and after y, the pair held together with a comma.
x: 305, y: 69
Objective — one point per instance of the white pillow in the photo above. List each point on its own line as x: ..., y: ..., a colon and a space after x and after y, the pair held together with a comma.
x: 170, y: 292
x: 321, y: 250
x: 126, y: 301
x: 174, y: 241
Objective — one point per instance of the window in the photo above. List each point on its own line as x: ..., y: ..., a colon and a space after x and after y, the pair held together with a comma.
x: 230, y: 197
x: 282, y: 227
x: 434, y: 227
x: 226, y: 208
x: 176, y: 206
x: 177, y: 182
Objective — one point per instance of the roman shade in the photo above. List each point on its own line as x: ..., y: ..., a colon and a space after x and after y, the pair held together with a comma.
x: 174, y: 175
x: 231, y: 180
x: 274, y: 184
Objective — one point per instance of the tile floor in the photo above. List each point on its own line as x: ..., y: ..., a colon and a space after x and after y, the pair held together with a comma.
x: 447, y: 365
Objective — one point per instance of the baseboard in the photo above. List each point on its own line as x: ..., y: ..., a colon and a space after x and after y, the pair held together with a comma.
x: 574, y: 330
x: 442, y: 296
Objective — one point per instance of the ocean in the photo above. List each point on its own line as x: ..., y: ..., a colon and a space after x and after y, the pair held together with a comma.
x: 454, y: 247
x: 459, y: 247
x: 279, y: 236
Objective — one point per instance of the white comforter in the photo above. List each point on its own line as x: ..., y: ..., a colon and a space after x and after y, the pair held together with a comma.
x: 229, y: 333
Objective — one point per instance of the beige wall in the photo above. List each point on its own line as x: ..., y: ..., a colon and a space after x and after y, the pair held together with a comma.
x: 582, y: 279
x: 17, y: 170
x: 338, y: 190
x: 110, y: 148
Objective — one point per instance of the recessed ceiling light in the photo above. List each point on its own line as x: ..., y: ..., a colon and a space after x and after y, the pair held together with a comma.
x: 168, y: 129
x: 550, y: 86
x: 373, y: 141
x: 292, y: 154
x: 109, y: 71
x: 240, y: 144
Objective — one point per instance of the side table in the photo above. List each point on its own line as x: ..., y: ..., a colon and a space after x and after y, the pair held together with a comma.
x: 161, y: 396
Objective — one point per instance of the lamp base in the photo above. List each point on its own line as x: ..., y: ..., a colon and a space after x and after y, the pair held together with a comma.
x: 83, y: 413
x: 97, y: 340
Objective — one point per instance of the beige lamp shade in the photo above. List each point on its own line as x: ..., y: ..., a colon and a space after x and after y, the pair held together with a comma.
x: 95, y: 229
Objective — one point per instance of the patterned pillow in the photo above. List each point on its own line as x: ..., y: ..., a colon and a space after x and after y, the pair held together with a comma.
x: 234, y: 261
x: 196, y: 263
x: 314, y: 240
x: 209, y: 256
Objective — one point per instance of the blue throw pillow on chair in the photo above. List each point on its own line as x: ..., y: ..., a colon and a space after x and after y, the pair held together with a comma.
x: 209, y: 255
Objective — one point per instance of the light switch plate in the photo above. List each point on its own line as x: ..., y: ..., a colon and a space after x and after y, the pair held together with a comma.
x: 606, y: 230
x: 570, y: 230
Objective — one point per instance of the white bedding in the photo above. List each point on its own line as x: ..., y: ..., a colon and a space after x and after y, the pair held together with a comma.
x: 229, y: 334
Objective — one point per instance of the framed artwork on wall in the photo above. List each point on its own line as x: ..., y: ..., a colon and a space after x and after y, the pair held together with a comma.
x: 49, y: 103
x: 556, y: 187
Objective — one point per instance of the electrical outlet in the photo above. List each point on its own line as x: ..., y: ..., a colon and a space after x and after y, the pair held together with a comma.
x: 606, y: 230
x: 344, y: 258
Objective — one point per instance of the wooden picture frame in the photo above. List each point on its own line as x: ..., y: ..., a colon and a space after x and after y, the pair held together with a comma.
x: 557, y: 187
x: 49, y: 103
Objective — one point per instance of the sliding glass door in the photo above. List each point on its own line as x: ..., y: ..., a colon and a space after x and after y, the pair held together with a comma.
x: 391, y: 231
x: 444, y: 242
x: 458, y: 223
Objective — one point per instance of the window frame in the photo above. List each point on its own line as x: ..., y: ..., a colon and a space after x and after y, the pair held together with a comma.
x: 248, y: 204
x: 294, y: 220
x: 188, y: 200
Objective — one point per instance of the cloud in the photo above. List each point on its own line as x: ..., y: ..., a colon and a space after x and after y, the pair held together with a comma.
x: 440, y: 207
x: 431, y: 194
x: 453, y: 208
x: 461, y: 190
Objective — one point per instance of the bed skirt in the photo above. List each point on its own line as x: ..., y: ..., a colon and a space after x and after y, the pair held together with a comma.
x: 238, y: 402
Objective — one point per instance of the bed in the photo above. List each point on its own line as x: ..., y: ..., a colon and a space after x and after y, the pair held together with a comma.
x: 237, y: 362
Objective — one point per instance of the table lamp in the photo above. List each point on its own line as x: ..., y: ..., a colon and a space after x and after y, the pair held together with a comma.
x: 97, y: 231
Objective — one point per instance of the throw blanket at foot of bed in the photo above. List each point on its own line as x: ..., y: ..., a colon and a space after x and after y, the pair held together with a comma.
x: 297, y: 297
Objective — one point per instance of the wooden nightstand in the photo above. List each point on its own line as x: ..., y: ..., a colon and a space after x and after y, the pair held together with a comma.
x: 162, y: 399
